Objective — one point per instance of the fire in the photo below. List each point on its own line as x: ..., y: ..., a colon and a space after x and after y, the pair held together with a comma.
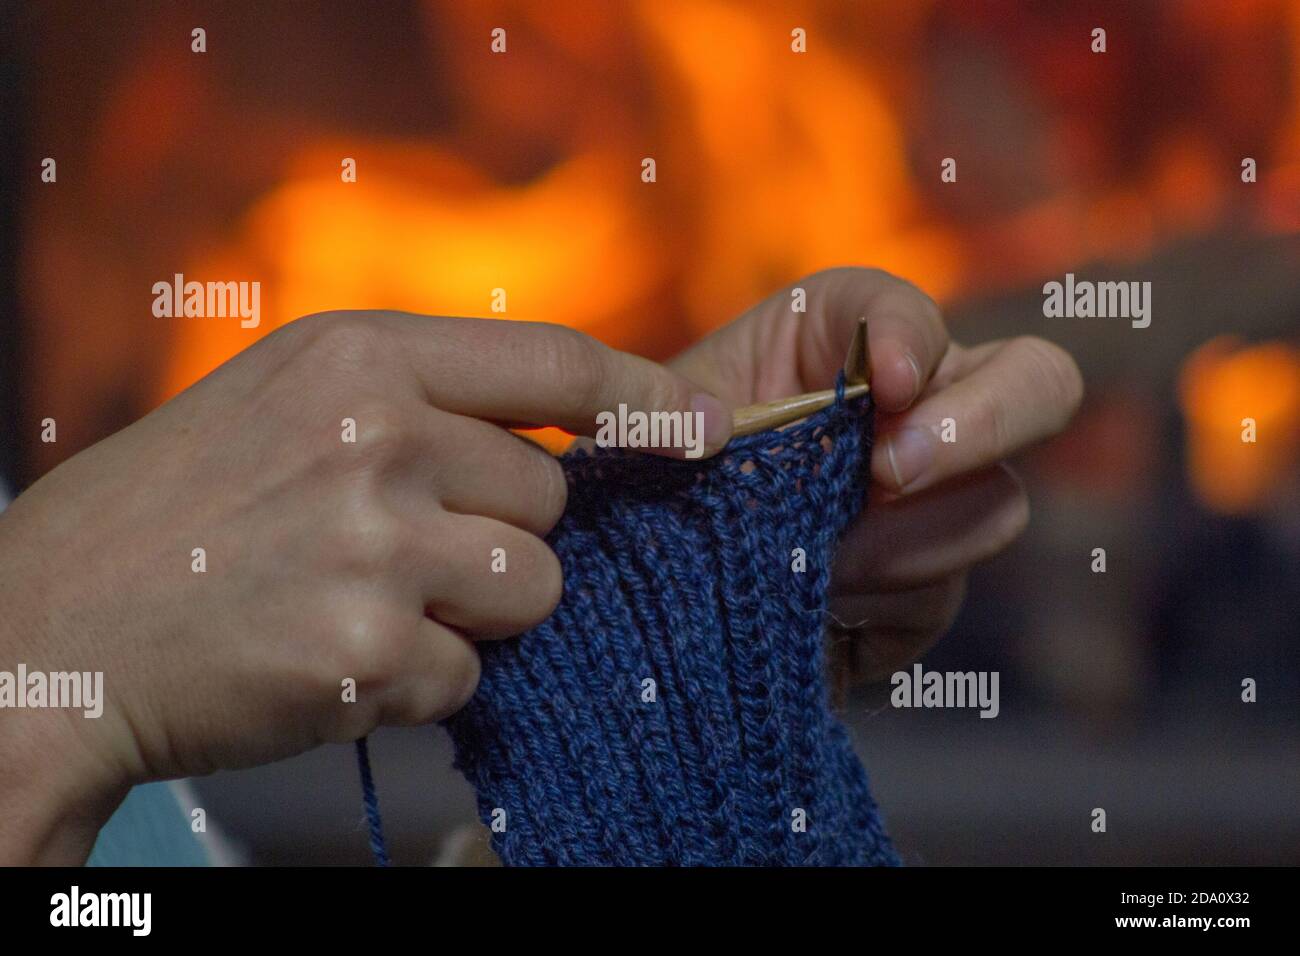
x: 772, y: 164
x: 792, y: 163
x: 1224, y: 388
x: 425, y: 233
x: 745, y: 199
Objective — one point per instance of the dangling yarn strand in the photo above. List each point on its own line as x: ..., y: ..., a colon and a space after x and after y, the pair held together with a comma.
x: 678, y: 583
x: 371, y: 800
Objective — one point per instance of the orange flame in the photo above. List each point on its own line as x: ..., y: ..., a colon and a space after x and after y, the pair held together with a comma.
x: 1223, y: 390
x: 769, y: 165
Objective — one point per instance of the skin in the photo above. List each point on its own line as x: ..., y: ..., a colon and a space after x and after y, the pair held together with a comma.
x: 935, y: 509
x: 370, y: 560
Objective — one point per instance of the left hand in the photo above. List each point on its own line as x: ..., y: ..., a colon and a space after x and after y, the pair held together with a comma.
x: 936, y: 509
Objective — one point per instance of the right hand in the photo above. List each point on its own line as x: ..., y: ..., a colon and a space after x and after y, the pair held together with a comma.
x: 325, y: 560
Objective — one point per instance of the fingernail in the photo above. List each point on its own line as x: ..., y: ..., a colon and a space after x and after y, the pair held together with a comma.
x: 911, y: 452
x: 717, y: 420
x: 916, y: 375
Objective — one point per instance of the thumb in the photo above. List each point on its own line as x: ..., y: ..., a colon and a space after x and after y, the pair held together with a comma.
x: 796, y: 340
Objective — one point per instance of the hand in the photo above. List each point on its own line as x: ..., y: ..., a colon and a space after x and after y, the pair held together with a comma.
x: 935, y: 508
x: 325, y: 559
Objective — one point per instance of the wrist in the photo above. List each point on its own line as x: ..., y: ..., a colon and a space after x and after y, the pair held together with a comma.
x: 53, y: 797
x: 57, y: 787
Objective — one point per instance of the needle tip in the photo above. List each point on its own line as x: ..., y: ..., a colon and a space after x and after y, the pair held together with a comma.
x: 857, y: 365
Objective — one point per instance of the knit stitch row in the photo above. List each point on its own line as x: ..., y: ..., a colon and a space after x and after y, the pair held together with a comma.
x: 674, y: 709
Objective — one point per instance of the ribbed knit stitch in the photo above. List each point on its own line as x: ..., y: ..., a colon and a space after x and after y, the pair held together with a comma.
x: 682, y: 572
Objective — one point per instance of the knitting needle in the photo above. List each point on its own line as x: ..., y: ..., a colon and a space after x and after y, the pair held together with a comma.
x: 783, y: 411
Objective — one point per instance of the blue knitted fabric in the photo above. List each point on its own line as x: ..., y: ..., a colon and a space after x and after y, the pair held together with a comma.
x: 681, y: 572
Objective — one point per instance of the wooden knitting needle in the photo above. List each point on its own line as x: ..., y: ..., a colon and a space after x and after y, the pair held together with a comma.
x: 783, y: 411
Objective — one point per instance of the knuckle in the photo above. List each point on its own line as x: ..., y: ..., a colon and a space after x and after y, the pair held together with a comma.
x: 552, y: 491
x: 907, y: 304
x: 366, y: 647
x: 304, y: 327
x: 862, y: 274
x: 458, y: 680
x: 990, y: 422
x: 339, y: 338
x: 439, y: 692
x: 1054, y: 372
x: 382, y: 432
x: 929, y: 308
x: 905, y: 291
x: 372, y: 540
x: 575, y: 360
x: 550, y: 584
x: 882, y: 283
x: 669, y: 394
x: 911, y: 306
x: 544, y: 584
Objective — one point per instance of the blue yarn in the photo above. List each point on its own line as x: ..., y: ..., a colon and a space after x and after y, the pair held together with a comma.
x: 371, y: 801
x: 681, y: 572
